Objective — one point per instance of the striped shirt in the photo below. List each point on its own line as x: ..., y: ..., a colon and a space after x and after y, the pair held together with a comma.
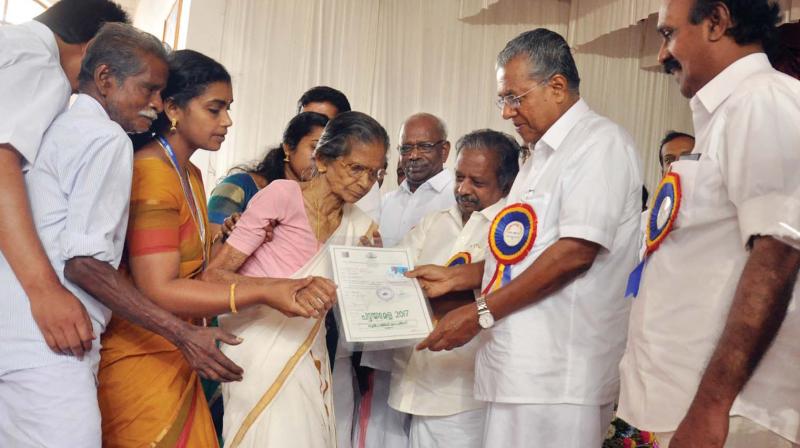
x: 79, y: 188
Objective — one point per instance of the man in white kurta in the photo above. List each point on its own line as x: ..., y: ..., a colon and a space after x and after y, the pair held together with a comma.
x: 552, y: 330
x: 717, y: 301
x: 436, y: 388
x: 427, y: 188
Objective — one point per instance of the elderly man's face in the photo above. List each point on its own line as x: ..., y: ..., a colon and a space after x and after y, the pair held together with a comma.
x: 537, y: 110
x: 684, y: 47
x: 430, y: 149
x: 136, y: 102
x: 477, y: 185
x: 673, y: 150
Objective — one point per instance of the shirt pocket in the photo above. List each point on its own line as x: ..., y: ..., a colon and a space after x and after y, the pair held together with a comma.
x: 546, y: 225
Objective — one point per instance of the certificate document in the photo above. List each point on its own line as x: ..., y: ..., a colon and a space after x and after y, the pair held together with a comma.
x: 378, y: 306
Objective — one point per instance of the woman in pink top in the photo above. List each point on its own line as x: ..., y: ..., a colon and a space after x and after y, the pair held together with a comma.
x: 285, y: 396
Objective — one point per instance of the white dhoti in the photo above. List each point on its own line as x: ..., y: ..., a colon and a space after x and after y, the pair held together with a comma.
x: 742, y: 433
x: 557, y: 425
x: 378, y: 425
x: 50, y: 406
x: 463, y: 430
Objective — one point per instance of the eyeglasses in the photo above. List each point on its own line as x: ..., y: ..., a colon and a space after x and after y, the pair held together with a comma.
x: 514, y: 101
x: 422, y: 147
x: 356, y: 171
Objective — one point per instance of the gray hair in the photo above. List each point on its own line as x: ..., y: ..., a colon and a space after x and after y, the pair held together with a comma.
x: 346, y: 128
x: 121, y: 47
x: 548, y: 54
x: 440, y: 125
x: 501, y: 144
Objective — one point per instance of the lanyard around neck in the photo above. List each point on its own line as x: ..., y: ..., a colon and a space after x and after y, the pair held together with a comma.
x: 190, y: 197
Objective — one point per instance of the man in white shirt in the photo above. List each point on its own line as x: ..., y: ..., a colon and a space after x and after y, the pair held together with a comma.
x: 79, y: 188
x: 714, y: 339
x: 39, y: 65
x: 436, y: 388
x: 553, y: 310
x: 428, y: 187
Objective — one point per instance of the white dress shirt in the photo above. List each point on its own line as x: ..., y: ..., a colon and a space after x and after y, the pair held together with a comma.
x: 402, y: 209
x: 371, y: 203
x: 583, y: 180
x: 441, y: 383
x: 79, y: 189
x: 33, y: 86
x: 745, y: 183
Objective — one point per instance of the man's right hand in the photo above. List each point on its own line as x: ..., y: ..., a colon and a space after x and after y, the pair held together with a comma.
x: 434, y: 280
x: 63, y: 321
x: 199, y: 347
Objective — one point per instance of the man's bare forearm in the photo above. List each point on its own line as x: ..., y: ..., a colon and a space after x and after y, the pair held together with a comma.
x: 757, y: 312
x: 19, y: 242
x: 468, y: 277
x: 110, y: 287
x: 561, y: 263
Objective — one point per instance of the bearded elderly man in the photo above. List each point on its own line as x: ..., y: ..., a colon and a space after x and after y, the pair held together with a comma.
x: 552, y: 316
x: 712, y: 358
x: 436, y: 388
x: 79, y: 188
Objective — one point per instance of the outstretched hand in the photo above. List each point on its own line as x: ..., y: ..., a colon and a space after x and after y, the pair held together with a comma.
x: 434, y: 280
x: 199, y: 347
x: 454, y: 330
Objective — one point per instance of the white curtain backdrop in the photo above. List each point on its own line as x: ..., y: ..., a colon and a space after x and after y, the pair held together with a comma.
x: 393, y: 58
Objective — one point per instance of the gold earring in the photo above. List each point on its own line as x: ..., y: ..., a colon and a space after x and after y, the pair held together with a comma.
x: 174, y: 127
x: 286, y: 158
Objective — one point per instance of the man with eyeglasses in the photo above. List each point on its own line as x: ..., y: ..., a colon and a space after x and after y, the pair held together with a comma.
x: 428, y: 188
x: 552, y: 310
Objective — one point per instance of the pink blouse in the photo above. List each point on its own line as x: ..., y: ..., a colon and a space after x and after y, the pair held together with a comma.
x: 293, y: 244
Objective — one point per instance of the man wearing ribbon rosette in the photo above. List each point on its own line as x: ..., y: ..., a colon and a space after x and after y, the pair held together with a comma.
x: 552, y: 312
x: 436, y: 388
x: 714, y: 338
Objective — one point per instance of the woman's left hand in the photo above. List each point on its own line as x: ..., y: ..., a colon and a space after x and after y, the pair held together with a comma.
x: 317, y: 297
x: 375, y: 241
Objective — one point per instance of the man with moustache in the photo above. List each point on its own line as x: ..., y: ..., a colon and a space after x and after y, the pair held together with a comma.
x: 428, y: 188
x: 436, y: 388
x: 552, y: 311
x: 711, y: 358
x: 79, y: 188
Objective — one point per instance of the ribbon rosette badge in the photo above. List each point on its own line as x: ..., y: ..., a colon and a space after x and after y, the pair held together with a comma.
x: 459, y: 259
x: 511, y: 238
x: 663, y: 214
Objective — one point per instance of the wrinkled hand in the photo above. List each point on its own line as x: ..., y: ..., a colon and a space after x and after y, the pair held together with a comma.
x: 375, y: 241
x: 318, y: 297
x: 304, y: 297
x: 454, y: 330
x: 199, y: 347
x: 229, y: 224
x: 701, y: 428
x: 434, y: 280
x: 63, y: 321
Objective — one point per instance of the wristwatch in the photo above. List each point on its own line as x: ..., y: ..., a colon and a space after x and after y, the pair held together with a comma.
x: 485, y: 318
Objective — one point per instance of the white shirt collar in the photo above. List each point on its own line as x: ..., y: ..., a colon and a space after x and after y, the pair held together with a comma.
x: 87, y: 102
x: 488, y: 213
x: 438, y: 182
x: 560, y: 129
x: 727, y: 81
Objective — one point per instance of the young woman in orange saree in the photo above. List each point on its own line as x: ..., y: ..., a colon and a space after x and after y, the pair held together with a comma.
x: 148, y: 394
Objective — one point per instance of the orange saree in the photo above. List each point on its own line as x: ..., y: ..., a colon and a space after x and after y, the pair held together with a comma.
x: 149, y: 396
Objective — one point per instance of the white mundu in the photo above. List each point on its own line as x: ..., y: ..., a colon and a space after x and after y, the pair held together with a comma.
x: 33, y: 86
x: 744, y: 183
x: 440, y: 384
x: 583, y: 181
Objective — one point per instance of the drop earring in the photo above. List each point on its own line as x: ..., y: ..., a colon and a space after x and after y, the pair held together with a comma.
x: 174, y: 125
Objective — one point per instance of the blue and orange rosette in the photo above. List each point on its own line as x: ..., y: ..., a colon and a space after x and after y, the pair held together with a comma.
x: 663, y: 214
x: 459, y: 259
x: 511, y: 237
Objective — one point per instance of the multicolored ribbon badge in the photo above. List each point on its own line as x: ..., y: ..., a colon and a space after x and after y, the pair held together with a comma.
x: 459, y: 259
x: 511, y: 238
x: 663, y: 214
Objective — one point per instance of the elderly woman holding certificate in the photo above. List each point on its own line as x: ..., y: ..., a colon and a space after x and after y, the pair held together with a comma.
x: 285, y: 396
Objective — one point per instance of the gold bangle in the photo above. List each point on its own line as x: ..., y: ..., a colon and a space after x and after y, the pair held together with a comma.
x: 233, y: 298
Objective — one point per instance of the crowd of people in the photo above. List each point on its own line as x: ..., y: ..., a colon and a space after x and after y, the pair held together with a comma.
x: 136, y: 311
